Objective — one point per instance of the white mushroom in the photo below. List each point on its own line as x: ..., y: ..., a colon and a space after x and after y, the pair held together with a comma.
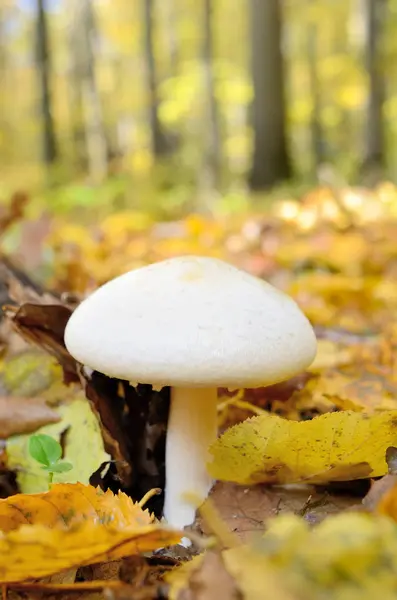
x: 194, y: 324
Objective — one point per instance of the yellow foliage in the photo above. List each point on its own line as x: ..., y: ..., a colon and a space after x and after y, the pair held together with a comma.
x: 361, y: 388
x: 351, y: 556
x: 72, y: 525
x: 332, y: 447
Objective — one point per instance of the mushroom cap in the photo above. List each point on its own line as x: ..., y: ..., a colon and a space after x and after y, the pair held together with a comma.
x: 191, y: 321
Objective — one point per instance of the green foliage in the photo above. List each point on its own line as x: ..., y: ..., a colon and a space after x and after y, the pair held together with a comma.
x: 48, y: 452
x: 83, y: 447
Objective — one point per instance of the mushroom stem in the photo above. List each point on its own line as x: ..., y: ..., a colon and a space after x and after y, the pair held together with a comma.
x: 192, y: 428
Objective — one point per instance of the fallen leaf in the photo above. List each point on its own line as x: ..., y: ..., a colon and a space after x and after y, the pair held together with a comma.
x: 24, y: 415
x: 44, y: 325
x: 338, y: 446
x: 358, y: 387
x: 210, y: 581
x: 72, y: 525
x: 83, y: 448
x: 350, y: 555
x: 378, y: 490
x: 330, y: 354
x: 245, y: 510
x: 236, y: 574
x: 347, y: 556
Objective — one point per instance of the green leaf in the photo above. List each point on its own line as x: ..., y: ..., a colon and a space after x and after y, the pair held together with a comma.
x: 60, y: 467
x: 44, y: 449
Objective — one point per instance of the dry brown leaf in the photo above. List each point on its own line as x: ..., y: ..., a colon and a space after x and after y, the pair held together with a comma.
x: 72, y: 525
x: 24, y: 415
x: 236, y: 574
x: 210, y: 581
x: 44, y: 326
x: 246, y: 509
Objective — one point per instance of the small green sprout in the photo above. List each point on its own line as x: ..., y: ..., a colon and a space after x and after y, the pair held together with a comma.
x: 48, y: 452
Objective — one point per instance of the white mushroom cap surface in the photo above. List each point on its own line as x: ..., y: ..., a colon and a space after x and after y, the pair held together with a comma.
x: 191, y: 321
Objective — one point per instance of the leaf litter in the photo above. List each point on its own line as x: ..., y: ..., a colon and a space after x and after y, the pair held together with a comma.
x: 72, y: 525
x: 351, y: 304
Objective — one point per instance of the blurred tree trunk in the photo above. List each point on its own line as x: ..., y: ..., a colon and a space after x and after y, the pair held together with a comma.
x: 212, y: 165
x: 80, y: 158
x: 86, y: 94
x: 271, y: 162
x: 160, y: 144
x: 3, y: 75
x: 171, y: 18
x: 375, y: 145
x: 50, y: 150
x: 316, y: 128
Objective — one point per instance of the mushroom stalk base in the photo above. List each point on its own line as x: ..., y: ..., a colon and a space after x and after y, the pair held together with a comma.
x: 192, y: 428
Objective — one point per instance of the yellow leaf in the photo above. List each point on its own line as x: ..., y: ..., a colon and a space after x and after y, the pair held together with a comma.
x: 350, y: 556
x: 336, y: 446
x: 330, y: 354
x: 359, y: 388
x: 72, y: 525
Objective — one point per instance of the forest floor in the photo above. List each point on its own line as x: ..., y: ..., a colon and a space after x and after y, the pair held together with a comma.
x: 312, y: 517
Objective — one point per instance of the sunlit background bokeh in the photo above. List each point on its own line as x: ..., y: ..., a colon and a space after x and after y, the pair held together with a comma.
x: 130, y: 131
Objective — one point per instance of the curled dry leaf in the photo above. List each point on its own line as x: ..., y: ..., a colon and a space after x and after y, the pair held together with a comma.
x: 72, y: 525
x: 338, y: 446
x: 44, y: 325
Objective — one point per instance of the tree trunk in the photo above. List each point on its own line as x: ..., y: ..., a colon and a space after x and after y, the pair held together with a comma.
x: 271, y: 162
x: 4, y: 129
x: 160, y: 144
x: 316, y: 129
x: 212, y: 165
x: 171, y: 18
x: 83, y: 47
x: 375, y: 22
x: 50, y: 151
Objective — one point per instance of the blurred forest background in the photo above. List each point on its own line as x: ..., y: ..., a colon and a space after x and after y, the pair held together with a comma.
x: 173, y: 107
